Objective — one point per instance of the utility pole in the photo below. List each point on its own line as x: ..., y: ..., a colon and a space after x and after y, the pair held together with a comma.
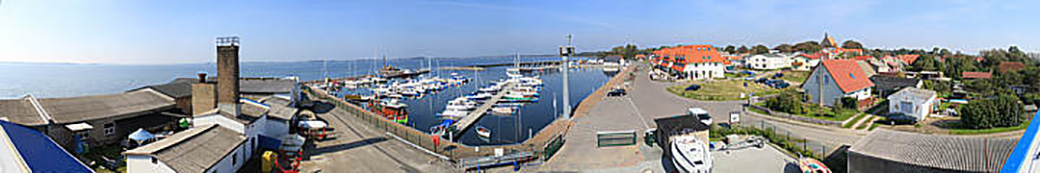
x: 565, y: 53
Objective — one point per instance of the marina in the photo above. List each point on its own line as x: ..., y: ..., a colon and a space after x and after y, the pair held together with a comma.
x: 520, y: 110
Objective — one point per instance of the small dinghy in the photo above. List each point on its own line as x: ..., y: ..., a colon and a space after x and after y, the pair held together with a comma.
x: 483, y: 132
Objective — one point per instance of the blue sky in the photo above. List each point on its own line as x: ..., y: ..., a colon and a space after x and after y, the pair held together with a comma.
x: 163, y: 32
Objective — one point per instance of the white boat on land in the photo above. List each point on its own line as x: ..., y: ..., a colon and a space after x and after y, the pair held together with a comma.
x: 690, y: 155
x: 483, y: 132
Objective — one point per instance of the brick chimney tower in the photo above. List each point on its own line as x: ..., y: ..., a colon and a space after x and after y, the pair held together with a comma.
x: 227, y: 74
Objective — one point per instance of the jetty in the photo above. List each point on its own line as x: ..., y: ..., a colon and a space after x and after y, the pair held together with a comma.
x: 476, y: 114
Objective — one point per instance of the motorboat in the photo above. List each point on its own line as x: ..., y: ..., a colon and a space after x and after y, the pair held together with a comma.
x: 502, y: 110
x: 513, y: 73
x: 483, y: 132
x: 442, y: 128
x: 454, y: 113
x: 392, y: 109
x: 690, y: 155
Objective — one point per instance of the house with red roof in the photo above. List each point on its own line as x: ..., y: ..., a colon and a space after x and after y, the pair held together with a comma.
x: 908, y: 58
x: 971, y: 75
x: 835, y: 79
x: 805, y: 62
x: 1010, y: 66
x: 691, y: 62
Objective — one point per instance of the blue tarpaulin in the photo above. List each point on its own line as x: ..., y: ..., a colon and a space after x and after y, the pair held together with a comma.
x: 1021, y: 151
x: 40, y: 153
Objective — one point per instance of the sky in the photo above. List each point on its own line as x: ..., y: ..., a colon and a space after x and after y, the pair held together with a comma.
x: 169, y: 32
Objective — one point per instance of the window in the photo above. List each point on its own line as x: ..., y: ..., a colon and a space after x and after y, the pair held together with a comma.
x: 83, y: 134
x: 234, y: 159
x: 110, y: 128
x: 155, y: 161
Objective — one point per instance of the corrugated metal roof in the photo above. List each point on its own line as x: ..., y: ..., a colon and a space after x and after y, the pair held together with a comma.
x: 20, y: 111
x: 195, y: 149
x: 76, y: 109
x: 936, y: 151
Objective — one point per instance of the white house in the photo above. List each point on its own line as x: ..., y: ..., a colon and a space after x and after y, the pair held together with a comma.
x: 914, y: 102
x: 209, y: 148
x: 251, y: 123
x: 769, y: 61
x: 835, y: 79
x: 805, y: 62
x: 708, y: 70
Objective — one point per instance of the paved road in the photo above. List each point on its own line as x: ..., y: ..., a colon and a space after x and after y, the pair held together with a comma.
x: 358, y: 147
x: 654, y: 101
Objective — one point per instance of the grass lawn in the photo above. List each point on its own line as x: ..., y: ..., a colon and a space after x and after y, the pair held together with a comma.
x: 723, y: 90
x: 865, y: 124
x: 795, y: 76
x: 840, y: 115
x: 990, y: 130
x: 873, y: 126
x: 854, y: 121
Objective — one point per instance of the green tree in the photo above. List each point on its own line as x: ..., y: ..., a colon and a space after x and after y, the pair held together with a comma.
x: 759, y: 49
x: 731, y: 49
x: 1002, y: 111
x: 742, y: 49
x: 852, y: 44
x: 787, y: 102
x: 925, y: 62
x: 784, y: 48
x: 959, y: 63
x: 808, y: 47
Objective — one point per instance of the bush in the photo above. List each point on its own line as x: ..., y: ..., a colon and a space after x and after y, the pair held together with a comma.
x: 1002, y: 111
x: 787, y: 102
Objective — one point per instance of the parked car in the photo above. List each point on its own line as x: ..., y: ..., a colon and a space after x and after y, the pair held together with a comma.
x: 693, y: 88
x: 781, y: 85
x: 761, y: 80
x: 778, y: 75
x: 617, y: 92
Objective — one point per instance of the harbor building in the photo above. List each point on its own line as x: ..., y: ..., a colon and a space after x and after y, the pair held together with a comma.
x: 692, y: 62
x: 77, y: 123
x: 893, y: 151
x: 24, y: 149
x: 232, y: 120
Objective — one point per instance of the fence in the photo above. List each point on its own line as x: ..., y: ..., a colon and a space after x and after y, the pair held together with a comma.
x: 796, y: 117
x: 795, y: 145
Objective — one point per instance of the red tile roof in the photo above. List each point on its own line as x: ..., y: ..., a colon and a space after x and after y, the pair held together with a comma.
x: 908, y: 58
x: 847, y: 74
x: 862, y: 58
x: 976, y: 75
x: 812, y: 55
x: 691, y: 54
x: 1009, y: 66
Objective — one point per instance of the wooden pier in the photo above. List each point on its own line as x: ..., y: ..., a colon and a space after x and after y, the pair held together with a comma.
x: 476, y: 114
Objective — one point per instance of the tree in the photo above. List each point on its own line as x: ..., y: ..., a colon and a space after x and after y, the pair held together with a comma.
x: 784, y: 48
x: 627, y: 51
x: 731, y: 49
x: 938, y: 86
x: 959, y: 63
x: 852, y: 44
x: 787, y: 102
x: 1002, y: 111
x: 759, y: 49
x: 925, y: 63
x: 742, y: 49
x: 807, y: 46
